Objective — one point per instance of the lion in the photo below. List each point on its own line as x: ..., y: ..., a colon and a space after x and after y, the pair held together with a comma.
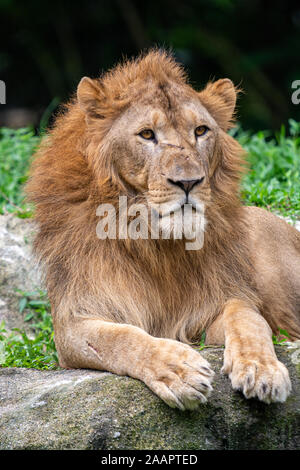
x: 136, y: 307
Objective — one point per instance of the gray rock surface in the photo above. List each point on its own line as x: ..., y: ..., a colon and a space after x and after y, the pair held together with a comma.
x: 18, y: 270
x: 83, y: 409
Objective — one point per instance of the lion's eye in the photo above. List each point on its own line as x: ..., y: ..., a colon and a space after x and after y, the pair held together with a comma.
x: 201, y: 130
x: 147, y: 134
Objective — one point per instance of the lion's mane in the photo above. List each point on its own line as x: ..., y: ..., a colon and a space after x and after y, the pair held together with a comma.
x: 105, y: 278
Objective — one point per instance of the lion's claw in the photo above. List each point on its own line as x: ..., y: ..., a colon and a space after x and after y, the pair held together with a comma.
x: 179, y: 375
x: 266, y: 380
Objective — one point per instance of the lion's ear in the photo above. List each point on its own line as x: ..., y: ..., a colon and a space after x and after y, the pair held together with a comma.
x: 90, y: 95
x: 219, y: 98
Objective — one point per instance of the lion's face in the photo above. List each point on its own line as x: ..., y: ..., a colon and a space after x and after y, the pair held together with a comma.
x: 164, y: 140
x: 165, y: 154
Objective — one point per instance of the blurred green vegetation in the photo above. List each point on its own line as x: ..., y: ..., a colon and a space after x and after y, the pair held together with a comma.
x: 46, y: 47
x: 273, y: 180
x: 16, y: 149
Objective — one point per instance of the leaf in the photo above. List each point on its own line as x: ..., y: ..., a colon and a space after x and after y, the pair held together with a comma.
x: 28, y: 317
x: 284, y: 333
x: 22, y: 304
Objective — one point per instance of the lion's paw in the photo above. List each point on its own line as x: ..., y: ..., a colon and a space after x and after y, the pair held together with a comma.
x: 266, y: 379
x: 179, y: 375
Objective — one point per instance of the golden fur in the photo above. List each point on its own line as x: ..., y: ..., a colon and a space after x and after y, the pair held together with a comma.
x: 157, y: 286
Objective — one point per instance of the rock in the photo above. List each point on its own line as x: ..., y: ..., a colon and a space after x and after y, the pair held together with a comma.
x: 85, y: 409
x: 18, y: 270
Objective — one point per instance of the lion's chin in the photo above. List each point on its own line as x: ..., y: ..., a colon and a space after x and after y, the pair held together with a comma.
x: 183, y: 225
x: 185, y: 222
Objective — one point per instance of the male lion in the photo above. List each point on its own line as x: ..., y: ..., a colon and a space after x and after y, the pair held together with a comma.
x: 131, y: 306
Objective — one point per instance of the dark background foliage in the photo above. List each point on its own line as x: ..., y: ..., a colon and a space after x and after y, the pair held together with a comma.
x: 46, y: 47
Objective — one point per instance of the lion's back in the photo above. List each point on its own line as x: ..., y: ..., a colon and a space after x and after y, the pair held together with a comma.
x: 274, y: 247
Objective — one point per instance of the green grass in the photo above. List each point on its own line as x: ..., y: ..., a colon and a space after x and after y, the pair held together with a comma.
x: 281, y: 338
x: 16, y: 149
x: 273, y: 182
x: 36, y: 348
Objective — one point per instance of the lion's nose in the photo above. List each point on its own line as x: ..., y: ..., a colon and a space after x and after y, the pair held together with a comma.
x: 186, y: 185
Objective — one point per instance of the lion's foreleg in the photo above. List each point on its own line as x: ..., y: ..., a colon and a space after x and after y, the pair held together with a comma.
x: 174, y: 371
x: 250, y: 359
